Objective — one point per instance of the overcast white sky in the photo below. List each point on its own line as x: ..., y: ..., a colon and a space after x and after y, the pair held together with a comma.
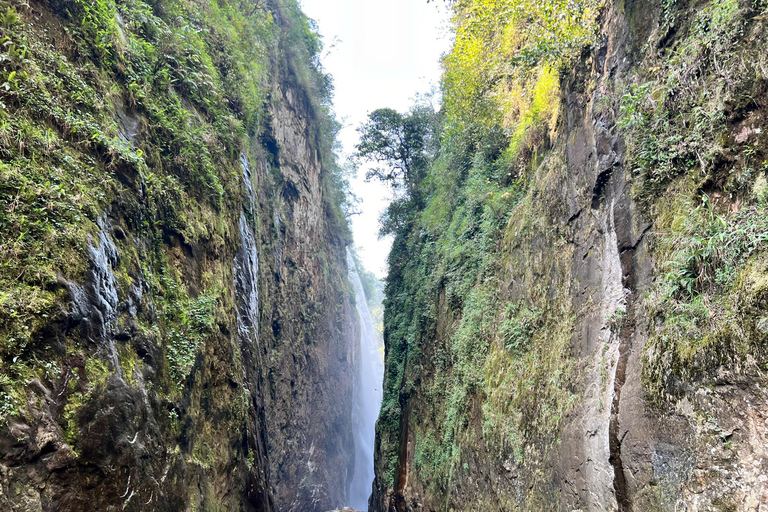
x: 381, y: 53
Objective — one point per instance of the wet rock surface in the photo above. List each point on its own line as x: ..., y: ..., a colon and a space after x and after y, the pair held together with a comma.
x: 205, y: 359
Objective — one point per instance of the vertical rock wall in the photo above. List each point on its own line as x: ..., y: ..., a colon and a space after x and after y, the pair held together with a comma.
x: 201, y: 354
x: 309, y: 322
x: 586, y: 249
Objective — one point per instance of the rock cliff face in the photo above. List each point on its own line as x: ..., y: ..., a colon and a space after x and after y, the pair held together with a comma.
x: 311, y: 331
x: 628, y: 371
x: 176, y: 327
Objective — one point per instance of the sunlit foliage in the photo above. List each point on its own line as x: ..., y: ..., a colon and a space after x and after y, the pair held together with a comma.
x: 502, y: 48
x: 447, y: 324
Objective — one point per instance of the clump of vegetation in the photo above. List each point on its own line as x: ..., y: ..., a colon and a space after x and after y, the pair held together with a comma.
x: 710, y: 302
x: 8, y: 406
x: 675, y: 120
x: 699, y: 175
x: 519, y: 326
x: 503, y: 51
x: 191, y: 321
x: 714, y: 247
x: 465, y: 176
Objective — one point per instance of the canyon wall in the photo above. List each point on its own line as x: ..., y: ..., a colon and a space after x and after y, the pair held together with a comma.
x: 177, y: 331
x: 607, y: 348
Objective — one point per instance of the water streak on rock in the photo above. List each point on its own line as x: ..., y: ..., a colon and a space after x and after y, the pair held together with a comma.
x: 101, y: 297
x: 247, y: 269
x: 246, y: 284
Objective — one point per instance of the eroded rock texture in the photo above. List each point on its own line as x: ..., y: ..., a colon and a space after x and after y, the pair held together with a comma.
x: 198, y: 352
x: 597, y: 409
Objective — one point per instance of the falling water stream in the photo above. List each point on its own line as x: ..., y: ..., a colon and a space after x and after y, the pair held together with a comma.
x: 247, y: 267
x: 368, y: 396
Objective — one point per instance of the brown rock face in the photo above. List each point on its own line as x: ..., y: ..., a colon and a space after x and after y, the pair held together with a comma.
x: 203, y: 357
x: 586, y: 242
x: 311, y: 326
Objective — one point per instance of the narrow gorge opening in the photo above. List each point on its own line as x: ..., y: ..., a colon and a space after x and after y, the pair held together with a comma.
x: 383, y: 256
x: 378, y: 56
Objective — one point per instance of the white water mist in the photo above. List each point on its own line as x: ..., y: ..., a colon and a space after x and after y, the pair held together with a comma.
x: 368, y: 395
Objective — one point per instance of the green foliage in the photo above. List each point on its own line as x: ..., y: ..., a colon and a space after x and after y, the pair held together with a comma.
x: 9, y: 18
x: 500, y: 47
x: 189, y: 324
x: 8, y: 406
x: 708, y: 306
x: 401, y: 145
x: 138, y: 110
x: 519, y: 327
x: 460, y: 378
x: 301, y: 48
x: 711, y: 248
x: 96, y: 372
x: 661, y: 148
x: 98, y: 21
x: 479, y: 323
x: 450, y: 249
x: 675, y: 122
x: 678, y: 121
x: 480, y: 360
x: 196, y: 76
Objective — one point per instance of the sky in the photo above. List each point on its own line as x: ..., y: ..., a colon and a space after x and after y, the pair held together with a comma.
x: 381, y: 53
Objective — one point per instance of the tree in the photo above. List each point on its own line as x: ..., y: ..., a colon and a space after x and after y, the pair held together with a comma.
x: 400, y: 146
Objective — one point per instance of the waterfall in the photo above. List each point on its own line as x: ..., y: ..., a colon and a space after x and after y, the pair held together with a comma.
x: 367, y: 402
x: 247, y: 268
x: 246, y: 284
